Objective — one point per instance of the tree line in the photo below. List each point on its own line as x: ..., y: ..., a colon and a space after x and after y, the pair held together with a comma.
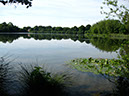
x: 9, y: 27
x: 74, y: 30
x: 109, y: 26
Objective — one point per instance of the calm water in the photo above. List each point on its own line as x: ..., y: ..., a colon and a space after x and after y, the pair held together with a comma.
x: 56, y: 50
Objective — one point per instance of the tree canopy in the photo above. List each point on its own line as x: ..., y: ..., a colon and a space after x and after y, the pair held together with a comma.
x: 116, y: 9
x: 108, y: 27
x: 28, y: 3
x: 4, y: 27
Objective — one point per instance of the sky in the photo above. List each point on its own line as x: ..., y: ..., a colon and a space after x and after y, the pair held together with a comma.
x: 64, y: 13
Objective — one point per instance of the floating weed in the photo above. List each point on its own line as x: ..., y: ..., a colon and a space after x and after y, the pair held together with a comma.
x: 112, y: 67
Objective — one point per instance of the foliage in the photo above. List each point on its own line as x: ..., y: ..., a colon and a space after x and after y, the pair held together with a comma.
x: 111, y: 67
x: 115, y: 70
x: 108, y: 27
x: 28, y: 3
x: 30, y: 81
x: 116, y: 9
x: 4, y: 27
x: 37, y: 82
x: 101, y: 27
x: 64, y: 30
x: 127, y: 27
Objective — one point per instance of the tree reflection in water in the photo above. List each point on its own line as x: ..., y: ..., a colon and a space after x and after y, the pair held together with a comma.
x: 115, y: 70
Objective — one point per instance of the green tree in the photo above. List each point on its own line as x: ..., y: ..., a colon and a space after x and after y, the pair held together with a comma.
x: 108, y: 26
x: 88, y: 27
x: 10, y: 24
x: 74, y: 29
x: 81, y: 29
x: 26, y: 29
x: 58, y: 29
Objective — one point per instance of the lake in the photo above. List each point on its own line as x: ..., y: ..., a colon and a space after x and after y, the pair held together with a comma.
x: 55, y: 50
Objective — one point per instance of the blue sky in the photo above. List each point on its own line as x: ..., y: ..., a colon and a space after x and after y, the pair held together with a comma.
x: 65, y: 13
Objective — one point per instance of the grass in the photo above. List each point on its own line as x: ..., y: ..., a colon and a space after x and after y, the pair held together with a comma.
x: 31, y: 80
x: 36, y: 81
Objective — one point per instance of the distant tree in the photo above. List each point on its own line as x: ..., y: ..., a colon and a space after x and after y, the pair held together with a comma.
x: 88, y: 27
x: 26, y: 29
x: 48, y: 28
x: 74, y: 28
x: 4, y: 27
x: 59, y: 29
x: 10, y: 24
x: 66, y: 29
x: 28, y: 3
x: 81, y: 29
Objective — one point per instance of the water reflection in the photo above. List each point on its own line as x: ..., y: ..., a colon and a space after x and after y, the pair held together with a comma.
x: 56, y: 49
x: 51, y: 48
x: 104, y: 44
x: 114, y: 70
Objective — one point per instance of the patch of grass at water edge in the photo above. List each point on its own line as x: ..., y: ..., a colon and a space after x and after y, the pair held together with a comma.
x: 36, y: 81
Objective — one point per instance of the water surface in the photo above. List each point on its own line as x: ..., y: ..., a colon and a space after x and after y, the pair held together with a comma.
x: 56, y: 50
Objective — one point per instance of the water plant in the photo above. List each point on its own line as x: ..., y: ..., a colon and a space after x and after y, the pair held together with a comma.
x: 115, y: 70
x: 112, y: 67
x: 36, y: 81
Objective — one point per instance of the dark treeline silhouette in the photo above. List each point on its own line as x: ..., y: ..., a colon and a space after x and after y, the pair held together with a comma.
x: 65, y: 30
x: 101, y: 27
x: 4, y: 27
